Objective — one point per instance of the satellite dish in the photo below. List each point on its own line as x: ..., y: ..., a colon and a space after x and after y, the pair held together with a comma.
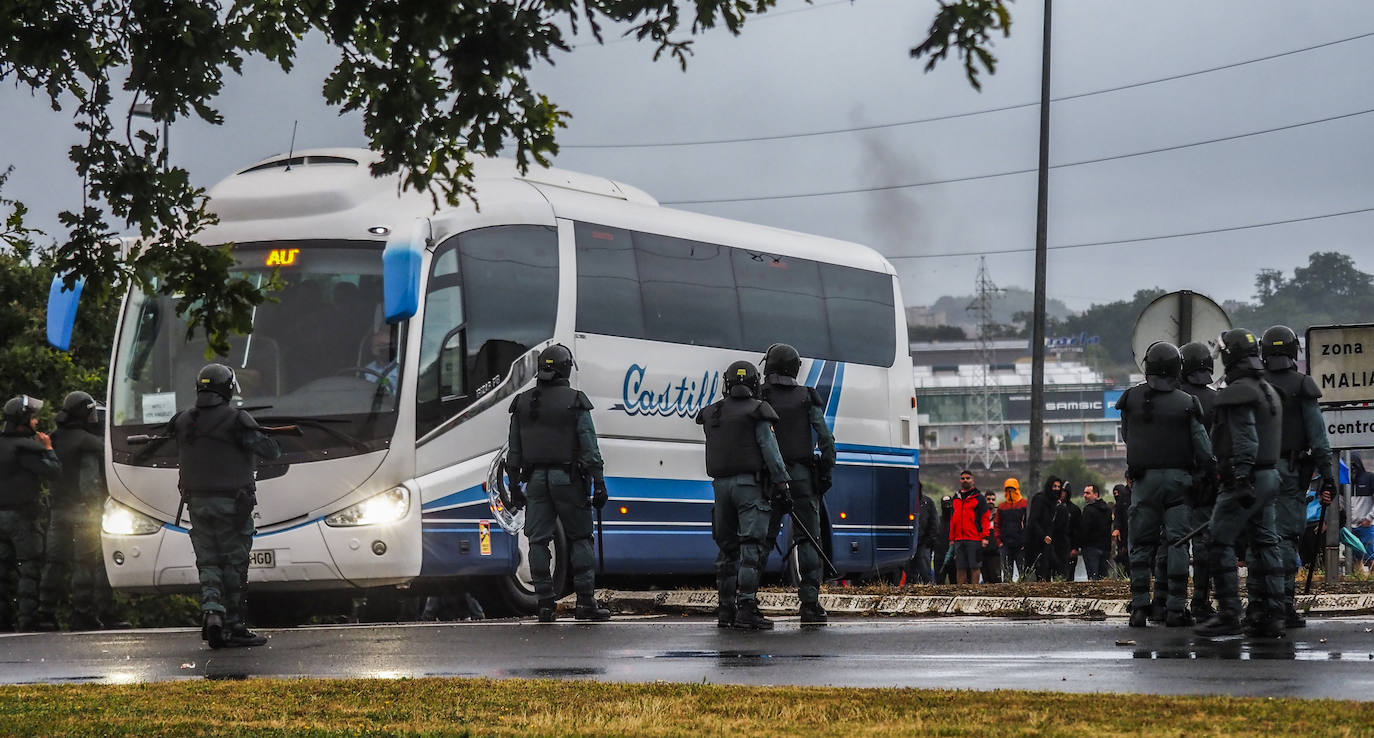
x: 1179, y: 317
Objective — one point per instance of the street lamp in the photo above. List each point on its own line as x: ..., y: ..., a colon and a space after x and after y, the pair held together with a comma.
x: 145, y: 110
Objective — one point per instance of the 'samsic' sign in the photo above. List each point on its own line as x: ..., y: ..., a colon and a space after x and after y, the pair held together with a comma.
x: 1340, y: 359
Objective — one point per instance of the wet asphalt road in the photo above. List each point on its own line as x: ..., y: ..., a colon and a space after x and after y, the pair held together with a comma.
x: 1333, y: 657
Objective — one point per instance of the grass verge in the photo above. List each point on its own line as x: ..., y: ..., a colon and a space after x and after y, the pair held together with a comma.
x: 315, y: 707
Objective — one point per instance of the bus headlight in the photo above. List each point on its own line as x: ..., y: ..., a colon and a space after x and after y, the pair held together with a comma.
x: 120, y: 520
x: 387, y: 507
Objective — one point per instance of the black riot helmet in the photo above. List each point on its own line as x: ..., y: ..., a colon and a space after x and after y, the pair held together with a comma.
x: 782, y: 359
x: 741, y: 379
x: 219, y: 379
x: 1162, y: 359
x: 78, y: 408
x: 1279, y: 348
x: 1197, y: 357
x: 555, y: 362
x: 19, y: 410
x: 1240, y: 348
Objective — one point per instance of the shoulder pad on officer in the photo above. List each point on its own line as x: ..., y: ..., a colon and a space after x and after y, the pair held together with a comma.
x: 514, y: 405
x: 1240, y: 393
x: 815, y: 397
x: 1309, y: 390
x: 581, y: 402
x: 247, y: 420
x: 1196, y: 409
x: 764, y: 411
x: 701, y: 416
x: 1121, y: 401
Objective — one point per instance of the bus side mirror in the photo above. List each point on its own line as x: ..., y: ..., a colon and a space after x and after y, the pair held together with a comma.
x: 62, y: 303
x: 401, y: 263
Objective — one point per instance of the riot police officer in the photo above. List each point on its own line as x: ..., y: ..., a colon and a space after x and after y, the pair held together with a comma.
x: 1303, y: 449
x: 553, y: 451
x: 1247, y: 433
x: 73, y: 550
x: 747, y: 471
x: 1197, y: 380
x: 810, y: 460
x: 26, y: 459
x: 217, y: 448
x: 1165, y: 442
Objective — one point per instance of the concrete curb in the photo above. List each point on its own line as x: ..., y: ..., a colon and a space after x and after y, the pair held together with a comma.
x: 699, y: 602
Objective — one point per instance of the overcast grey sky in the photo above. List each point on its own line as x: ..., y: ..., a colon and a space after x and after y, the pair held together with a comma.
x: 840, y: 65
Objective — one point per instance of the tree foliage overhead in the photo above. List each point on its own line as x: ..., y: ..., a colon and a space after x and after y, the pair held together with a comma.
x: 433, y: 81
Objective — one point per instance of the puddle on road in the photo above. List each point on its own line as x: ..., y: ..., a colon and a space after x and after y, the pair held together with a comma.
x: 557, y: 672
x: 1238, y: 648
x: 734, y: 658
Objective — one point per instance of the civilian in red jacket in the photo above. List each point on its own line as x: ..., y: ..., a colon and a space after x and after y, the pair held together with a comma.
x: 969, y: 529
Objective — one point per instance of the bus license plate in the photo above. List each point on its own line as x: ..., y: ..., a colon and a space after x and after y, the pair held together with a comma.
x: 262, y: 559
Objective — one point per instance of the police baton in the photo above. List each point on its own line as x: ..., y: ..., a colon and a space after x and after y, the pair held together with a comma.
x: 600, y: 545
x: 802, y: 526
x: 1194, y: 533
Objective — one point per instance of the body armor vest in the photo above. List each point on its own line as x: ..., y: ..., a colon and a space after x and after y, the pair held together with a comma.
x: 1159, y: 427
x: 209, y: 452
x: 19, y: 487
x: 731, y: 447
x: 1207, y: 398
x: 72, y: 444
x: 1292, y: 386
x: 548, y: 425
x: 1264, y: 403
x: 793, y: 405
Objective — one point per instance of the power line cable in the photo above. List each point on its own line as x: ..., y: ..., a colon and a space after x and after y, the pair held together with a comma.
x: 953, y: 116
x: 1140, y: 239
x: 1010, y: 172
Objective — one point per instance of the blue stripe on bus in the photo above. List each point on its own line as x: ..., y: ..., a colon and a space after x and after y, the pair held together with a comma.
x: 814, y: 373
x: 467, y: 496
x: 833, y: 405
x: 907, y: 454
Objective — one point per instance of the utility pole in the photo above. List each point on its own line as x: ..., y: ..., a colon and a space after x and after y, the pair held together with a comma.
x: 1037, y: 409
x: 988, y: 402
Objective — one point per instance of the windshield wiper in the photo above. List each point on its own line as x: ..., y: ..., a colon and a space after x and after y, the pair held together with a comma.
x: 323, y: 425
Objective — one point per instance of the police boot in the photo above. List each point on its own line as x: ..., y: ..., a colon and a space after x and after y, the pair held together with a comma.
x: 725, y: 616
x: 212, y: 629
x: 45, y: 622
x: 1158, y: 612
x: 1203, y: 611
x: 1178, y: 619
x: 1139, y: 618
x: 242, y: 637
x: 1266, y: 626
x: 1221, y: 624
x: 813, y: 614
x: 548, y: 611
x: 1294, y: 619
x: 590, y: 609
x: 748, y: 617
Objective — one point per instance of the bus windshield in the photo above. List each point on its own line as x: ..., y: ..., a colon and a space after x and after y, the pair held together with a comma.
x: 319, y: 356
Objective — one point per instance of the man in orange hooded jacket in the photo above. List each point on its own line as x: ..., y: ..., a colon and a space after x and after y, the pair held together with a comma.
x: 1011, y: 523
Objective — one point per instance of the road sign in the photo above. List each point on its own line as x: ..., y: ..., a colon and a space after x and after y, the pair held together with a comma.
x: 1340, y: 359
x: 1350, y: 427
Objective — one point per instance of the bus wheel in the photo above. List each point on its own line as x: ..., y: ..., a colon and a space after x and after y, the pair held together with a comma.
x: 516, y: 592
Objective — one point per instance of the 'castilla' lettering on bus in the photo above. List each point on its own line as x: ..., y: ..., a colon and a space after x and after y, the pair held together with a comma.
x: 684, y: 399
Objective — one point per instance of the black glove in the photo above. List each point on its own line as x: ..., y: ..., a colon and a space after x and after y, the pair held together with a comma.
x: 599, y: 495
x: 824, y: 479
x: 517, y: 496
x: 782, y: 499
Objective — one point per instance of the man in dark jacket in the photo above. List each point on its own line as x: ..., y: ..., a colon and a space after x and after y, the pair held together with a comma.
x: 1046, y: 521
x: 927, y: 532
x: 1011, y: 526
x: 1121, y: 507
x: 1095, y: 533
x: 944, y: 569
x: 1066, y: 547
x: 26, y: 460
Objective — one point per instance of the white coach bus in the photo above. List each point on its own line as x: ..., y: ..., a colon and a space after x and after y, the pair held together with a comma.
x: 400, y: 337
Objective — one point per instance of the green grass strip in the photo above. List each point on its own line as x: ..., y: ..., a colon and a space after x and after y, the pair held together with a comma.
x: 448, y: 707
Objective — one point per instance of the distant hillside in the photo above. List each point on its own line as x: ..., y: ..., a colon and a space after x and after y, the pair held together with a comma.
x: 1013, y: 300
